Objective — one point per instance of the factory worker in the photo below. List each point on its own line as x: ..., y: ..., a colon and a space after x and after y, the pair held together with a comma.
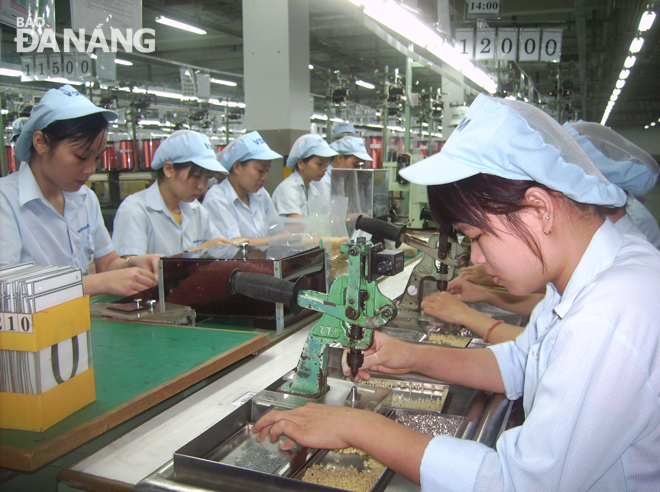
x: 309, y: 160
x: 240, y: 207
x: 16, y: 128
x: 624, y: 164
x: 343, y: 129
x: 351, y: 154
x: 48, y: 215
x: 166, y: 218
x: 588, y: 363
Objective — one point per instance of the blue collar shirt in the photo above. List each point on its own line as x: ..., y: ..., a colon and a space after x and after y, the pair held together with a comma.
x: 588, y: 368
x: 144, y: 225
x: 233, y: 218
x: 32, y: 230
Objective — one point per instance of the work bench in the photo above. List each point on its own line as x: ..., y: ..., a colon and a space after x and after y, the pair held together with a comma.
x: 138, y: 366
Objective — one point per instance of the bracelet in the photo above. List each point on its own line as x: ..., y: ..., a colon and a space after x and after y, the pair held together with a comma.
x: 499, y: 321
x: 128, y: 259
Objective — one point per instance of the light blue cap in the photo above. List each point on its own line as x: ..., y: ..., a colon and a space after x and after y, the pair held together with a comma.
x: 245, y: 148
x: 309, y: 145
x: 187, y: 146
x: 65, y: 103
x: 351, y: 146
x: 17, y: 127
x: 516, y: 140
x: 342, y: 130
x: 621, y: 161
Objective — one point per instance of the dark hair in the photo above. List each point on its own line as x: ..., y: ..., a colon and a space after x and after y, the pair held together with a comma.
x: 83, y: 130
x: 193, y: 169
x: 470, y: 200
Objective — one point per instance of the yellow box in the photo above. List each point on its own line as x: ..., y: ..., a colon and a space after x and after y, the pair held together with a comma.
x: 43, y: 349
x: 36, y: 331
x: 39, y: 412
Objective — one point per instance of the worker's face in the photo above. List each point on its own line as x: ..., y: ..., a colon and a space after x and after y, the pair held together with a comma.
x: 505, y: 257
x: 347, y: 162
x: 186, y: 184
x: 252, y: 175
x: 70, y: 165
x: 313, y: 169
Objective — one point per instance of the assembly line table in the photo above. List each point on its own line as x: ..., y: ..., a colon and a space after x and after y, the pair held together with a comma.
x: 124, y: 462
x: 137, y: 366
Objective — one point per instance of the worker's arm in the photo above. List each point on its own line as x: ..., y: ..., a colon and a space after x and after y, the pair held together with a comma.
x: 450, y: 309
x: 469, y: 292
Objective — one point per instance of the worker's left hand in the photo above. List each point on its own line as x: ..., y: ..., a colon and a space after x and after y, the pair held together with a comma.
x: 218, y: 241
x: 237, y: 241
x: 147, y: 262
x: 446, y: 307
x: 313, y: 425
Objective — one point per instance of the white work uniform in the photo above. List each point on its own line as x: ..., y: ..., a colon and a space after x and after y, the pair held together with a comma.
x: 290, y: 196
x: 144, y: 225
x: 588, y: 368
x: 32, y: 230
x: 233, y: 218
x: 625, y: 225
x: 324, y: 187
x: 644, y: 220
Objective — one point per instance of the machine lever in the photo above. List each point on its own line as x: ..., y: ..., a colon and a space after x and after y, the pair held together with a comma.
x: 266, y: 288
x: 382, y: 229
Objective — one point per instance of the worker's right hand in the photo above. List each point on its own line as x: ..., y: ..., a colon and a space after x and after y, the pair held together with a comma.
x: 466, y: 291
x: 123, y: 282
x: 387, y: 355
x: 477, y: 275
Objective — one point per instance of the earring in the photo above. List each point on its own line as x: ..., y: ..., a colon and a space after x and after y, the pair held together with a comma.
x: 547, y: 217
x: 547, y: 233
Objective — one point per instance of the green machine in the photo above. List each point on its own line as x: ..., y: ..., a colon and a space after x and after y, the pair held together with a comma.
x: 352, y: 310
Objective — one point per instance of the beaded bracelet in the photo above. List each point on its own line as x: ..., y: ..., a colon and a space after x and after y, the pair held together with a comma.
x: 499, y: 321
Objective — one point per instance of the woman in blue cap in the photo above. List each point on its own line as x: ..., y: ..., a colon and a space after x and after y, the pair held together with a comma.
x: 239, y: 206
x: 351, y: 152
x: 588, y: 363
x: 623, y: 164
x: 166, y: 218
x: 48, y: 215
x: 309, y: 160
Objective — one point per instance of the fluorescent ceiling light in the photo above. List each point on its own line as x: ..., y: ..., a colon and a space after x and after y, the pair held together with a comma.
x: 636, y: 45
x: 614, y: 97
x: 616, y: 92
x: 317, y: 116
x: 62, y: 80
x: 620, y: 83
x: 311, y: 67
x: 624, y: 74
x: 8, y: 72
x: 364, y: 84
x: 646, y: 21
x: 224, y: 82
x: 630, y: 61
x: 119, y: 61
x: 399, y: 19
x: 653, y: 124
x: 149, y: 122
x: 336, y: 120
x: 179, y: 25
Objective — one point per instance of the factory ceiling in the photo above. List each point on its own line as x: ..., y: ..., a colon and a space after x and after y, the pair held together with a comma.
x: 595, y: 40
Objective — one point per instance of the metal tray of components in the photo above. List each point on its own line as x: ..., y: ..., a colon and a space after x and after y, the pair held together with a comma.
x: 345, y: 466
x: 432, y: 423
x: 413, y: 395
x: 403, y: 334
x: 229, y: 458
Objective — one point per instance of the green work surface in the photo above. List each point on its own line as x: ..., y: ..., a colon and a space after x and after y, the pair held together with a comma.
x: 131, y: 359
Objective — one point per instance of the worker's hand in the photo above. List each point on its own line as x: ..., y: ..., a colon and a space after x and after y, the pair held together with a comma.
x: 146, y: 262
x: 237, y: 241
x: 477, y: 275
x: 123, y: 282
x: 313, y: 425
x: 446, y: 307
x: 218, y: 241
x: 387, y: 354
x: 466, y: 291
